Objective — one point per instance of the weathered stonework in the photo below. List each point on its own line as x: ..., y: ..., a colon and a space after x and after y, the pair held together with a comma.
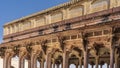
x: 79, y: 32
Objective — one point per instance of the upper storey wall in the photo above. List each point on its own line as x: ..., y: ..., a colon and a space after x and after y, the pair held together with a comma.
x: 71, y: 10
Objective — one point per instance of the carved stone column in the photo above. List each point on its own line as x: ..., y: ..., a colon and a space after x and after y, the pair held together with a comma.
x: 65, y: 59
x: 34, y: 56
x: 53, y: 64
x: 21, y: 62
x: 92, y: 66
x: 101, y: 66
x: 49, y: 59
x: 29, y: 63
x: 57, y: 65
x: 76, y: 65
x: 116, y: 60
x: 61, y: 65
x: 7, y: 59
x: 107, y: 65
x: 42, y: 64
x: 97, y: 61
x: 22, y: 55
x: 35, y: 52
x: 86, y: 59
x: 80, y: 62
x: 112, y: 58
x: 85, y: 49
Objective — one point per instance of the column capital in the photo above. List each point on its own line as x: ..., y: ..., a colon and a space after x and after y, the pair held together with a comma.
x: 36, y: 49
x: 49, y: 50
x: 10, y: 52
x: 22, y: 51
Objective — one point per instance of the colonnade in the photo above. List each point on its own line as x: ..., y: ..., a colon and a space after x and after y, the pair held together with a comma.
x: 80, y: 52
x: 32, y: 58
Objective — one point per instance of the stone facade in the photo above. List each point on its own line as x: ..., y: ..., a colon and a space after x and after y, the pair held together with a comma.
x: 79, y: 32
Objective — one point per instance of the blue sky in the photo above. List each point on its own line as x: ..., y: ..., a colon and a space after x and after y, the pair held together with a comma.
x: 14, y: 9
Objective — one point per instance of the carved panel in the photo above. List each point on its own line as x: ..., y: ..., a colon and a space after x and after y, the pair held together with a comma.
x: 56, y: 17
x: 26, y: 25
x: 99, y: 5
x: 15, y: 28
x: 40, y: 21
x: 75, y: 11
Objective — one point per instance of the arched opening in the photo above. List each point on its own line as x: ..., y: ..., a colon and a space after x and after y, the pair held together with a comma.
x: 15, y: 62
x: 1, y: 62
x: 26, y: 64
x: 105, y: 65
x: 45, y: 64
x: 61, y: 65
x: 38, y: 65
x: 72, y: 66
